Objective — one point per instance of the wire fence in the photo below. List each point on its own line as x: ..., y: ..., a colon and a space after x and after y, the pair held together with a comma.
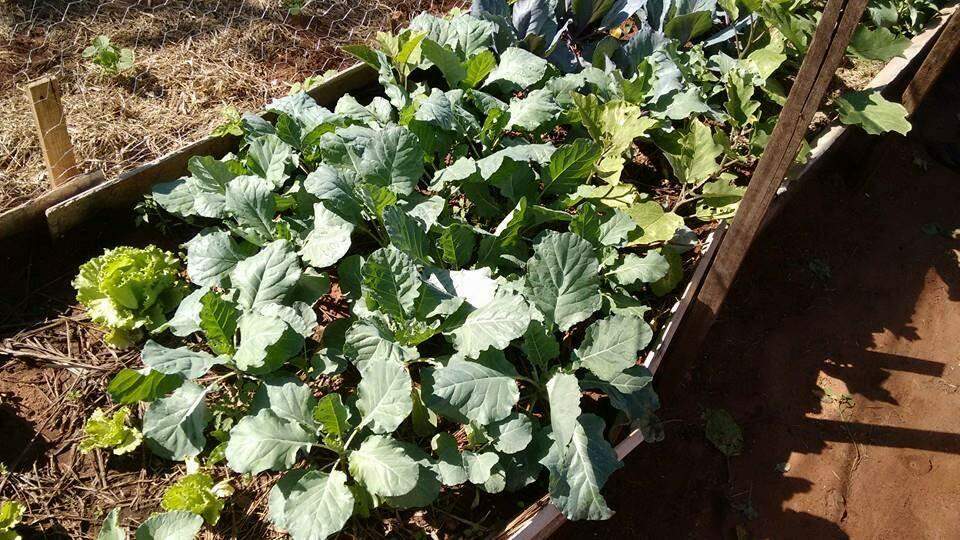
x: 167, y: 73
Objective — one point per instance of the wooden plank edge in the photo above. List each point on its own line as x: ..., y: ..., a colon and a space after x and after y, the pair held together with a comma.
x: 30, y: 214
x: 541, y: 519
x: 892, y: 73
x: 125, y: 190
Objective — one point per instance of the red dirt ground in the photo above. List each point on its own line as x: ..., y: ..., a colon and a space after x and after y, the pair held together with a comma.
x: 851, y: 379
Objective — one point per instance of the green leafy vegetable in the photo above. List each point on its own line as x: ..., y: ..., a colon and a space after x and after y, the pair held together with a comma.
x: 127, y: 290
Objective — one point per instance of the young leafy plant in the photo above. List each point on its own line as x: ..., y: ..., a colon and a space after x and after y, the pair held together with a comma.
x: 108, y: 57
x: 11, y: 512
x: 102, y: 431
x: 127, y: 290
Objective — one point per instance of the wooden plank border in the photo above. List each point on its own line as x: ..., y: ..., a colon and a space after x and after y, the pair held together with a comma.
x: 21, y: 218
x: 127, y: 189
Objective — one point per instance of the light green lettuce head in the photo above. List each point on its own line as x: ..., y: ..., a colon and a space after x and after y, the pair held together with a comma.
x: 128, y: 289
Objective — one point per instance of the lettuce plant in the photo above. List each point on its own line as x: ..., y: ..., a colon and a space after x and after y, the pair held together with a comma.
x: 127, y: 290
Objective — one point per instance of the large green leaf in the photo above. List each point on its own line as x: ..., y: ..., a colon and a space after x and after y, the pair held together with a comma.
x: 495, y: 324
x: 446, y: 290
x: 446, y: 61
x: 218, y: 320
x: 579, y: 470
x: 287, y: 397
x: 612, y: 345
x: 268, y: 157
x: 372, y: 340
x: 394, y: 159
x: 610, y: 229
x: 211, y: 255
x: 111, y: 529
x: 533, y: 110
x: 332, y: 416
x: 563, y: 394
x: 695, y: 158
x: 571, y: 165
x: 337, y: 190
x: 540, y: 346
x: 512, y: 434
x: 250, y: 201
x: 328, y: 241
x: 181, y: 361
x: 390, y: 282
x: 562, y: 279
x: 872, y: 112
x: 879, y: 44
x: 656, y: 225
x: 267, y: 276
x: 647, y: 269
x: 173, y: 426
x: 450, y: 461
x: 384, y: 396
x: 629, y: 391
x: 266, y: 342
x: 316, y: 505
x: 384, y: 467
x: 518, y: 69
x: 407, y: 234
x: 176, y: 525
x: 483, y: 390
x: 265, y: 441
x: 131, y: 386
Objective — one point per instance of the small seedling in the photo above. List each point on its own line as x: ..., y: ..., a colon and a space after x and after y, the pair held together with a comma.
x: 108, y: 57
x: 232, y: 123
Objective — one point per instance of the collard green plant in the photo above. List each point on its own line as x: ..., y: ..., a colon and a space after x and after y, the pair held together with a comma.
x: 491, y: 234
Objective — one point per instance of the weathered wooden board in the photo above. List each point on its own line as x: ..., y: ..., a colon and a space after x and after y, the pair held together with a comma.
x: 29, y: 214
x: 61, y: 163
x: 933, y: 65
x: 126, y: 190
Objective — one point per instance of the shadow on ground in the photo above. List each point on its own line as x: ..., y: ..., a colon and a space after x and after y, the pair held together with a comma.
x: 838, y: 355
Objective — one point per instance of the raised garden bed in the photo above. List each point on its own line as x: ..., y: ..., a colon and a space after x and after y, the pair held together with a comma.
x: 667, y: 313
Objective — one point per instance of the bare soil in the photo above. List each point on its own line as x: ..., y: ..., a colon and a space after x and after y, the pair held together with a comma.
x: 838, y: 353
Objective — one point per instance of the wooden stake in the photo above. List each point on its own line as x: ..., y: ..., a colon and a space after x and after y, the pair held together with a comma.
x: 839, y: 20
x: 44, y: 95
x: 933, y: 65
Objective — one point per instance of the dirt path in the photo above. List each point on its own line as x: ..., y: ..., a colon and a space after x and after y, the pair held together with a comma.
x: 839, y: 355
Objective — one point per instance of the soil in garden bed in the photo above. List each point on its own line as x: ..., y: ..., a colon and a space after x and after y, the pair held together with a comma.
x: 838, y: 356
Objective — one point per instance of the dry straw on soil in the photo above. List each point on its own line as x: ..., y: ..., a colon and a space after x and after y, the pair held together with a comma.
x: 193, y: 58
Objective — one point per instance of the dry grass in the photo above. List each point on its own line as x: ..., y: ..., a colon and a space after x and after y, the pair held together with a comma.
x: 193, y: 58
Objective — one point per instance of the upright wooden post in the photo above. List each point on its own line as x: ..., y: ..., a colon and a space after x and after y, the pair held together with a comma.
x: 839, y: 20
x: 943, y: 50
x: 58, y: 155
